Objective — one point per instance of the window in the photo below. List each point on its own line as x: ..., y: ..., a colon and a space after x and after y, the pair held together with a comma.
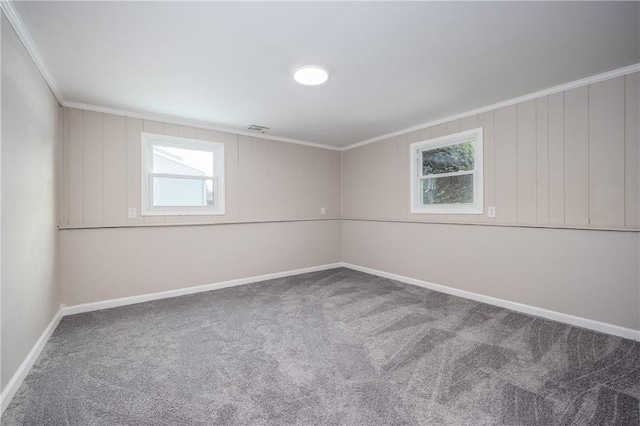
x: 181, y: 176
x: 446, y: 174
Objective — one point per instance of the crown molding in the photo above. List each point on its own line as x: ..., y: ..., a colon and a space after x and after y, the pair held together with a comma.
x: 191, y: 123
x: 24, y: 36
x: 16, y: 22
x: 18, y: 25
x: 545, y: 92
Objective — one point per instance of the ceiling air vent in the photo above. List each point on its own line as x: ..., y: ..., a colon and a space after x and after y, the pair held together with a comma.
x: 257, y: 129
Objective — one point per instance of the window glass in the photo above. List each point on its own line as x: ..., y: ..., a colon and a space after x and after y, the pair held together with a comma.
x: 181, y: 176
x: 446, y: 174
x: 448, y: 159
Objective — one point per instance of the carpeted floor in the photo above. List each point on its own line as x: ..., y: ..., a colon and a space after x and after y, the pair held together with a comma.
x: 336, y: 347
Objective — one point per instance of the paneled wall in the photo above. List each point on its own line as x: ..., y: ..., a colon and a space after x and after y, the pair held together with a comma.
x: 266, y: 180
x: 569, y: 159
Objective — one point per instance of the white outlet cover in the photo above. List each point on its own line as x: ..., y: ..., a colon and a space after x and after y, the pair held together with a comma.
x: 322, y: 210
x: 491, y: 211
x: 132, y: 212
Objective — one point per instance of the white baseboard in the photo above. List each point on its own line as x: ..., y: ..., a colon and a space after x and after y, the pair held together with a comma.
x: 14, y: 384
x: 17, y: 379
x: 602, y: 327
x: 112, y: 303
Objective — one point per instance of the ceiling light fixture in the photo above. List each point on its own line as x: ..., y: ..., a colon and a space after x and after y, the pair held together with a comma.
x: 311, y: 76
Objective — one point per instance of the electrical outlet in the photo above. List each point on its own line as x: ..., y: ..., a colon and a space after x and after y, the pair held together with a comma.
x: 132, y: 213
x: 491, y: 211
x: 322, y: 210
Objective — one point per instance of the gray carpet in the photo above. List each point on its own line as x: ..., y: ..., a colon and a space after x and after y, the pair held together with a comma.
x: 336, y: 347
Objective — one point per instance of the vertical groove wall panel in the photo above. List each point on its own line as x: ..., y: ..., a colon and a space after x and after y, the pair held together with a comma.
x: 632, y: 151
x: 259, y: 183
x: 317, y: 185
x: 301, y: 197
x: 556, y: 159
x: 264, y: 179
x: 576, y: 160
x: 310, y: 187
x: 133, y: 142
x: 115, y: 164
x: 349, y: 194
x: 320, y: 162
x: 606, y: 153
x: 506, y: 160
x: 192, y: 133
x: 76, y: 167
x: 412, y: 137
x: 368, y: 181
x: 64, y: 162
x: 311, y: 207
x: 93, y: 171
x: 452, y: 127
x: 171, y: 129
x: 271, y: 179
x: 279, y: 176
x: 324, y: 179
x: 542, y: 160
x: 291, y: 183
x: 232, y: 189
x: 486, y: 121
x: 336, y: 179
x: 245, y: 177
x: 387, y: 171
x: 401, y: 183
x: 526, y: 163
x: 468, y: 123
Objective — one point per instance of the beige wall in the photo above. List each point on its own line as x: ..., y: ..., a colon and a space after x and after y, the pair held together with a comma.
x: 590, y: 274
x: 101, y: 264
x: 30, y: 146
x: 274, y: 193
x: 265, y: 180
x: 568, y: 159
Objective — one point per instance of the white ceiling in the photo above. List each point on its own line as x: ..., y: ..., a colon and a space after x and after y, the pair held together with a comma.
x: 393, y: 65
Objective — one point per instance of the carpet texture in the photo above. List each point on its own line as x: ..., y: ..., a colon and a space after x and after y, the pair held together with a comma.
x: 336, y: 347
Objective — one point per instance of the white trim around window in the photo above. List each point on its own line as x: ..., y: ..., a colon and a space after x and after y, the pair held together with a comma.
x: 419, y: 178
x: 211, y: 176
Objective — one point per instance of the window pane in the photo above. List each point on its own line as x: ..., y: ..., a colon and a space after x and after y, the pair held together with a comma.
x: 448, y: 159
x: 447, y: 190
x: 175, y: 192
x: 179, y: 161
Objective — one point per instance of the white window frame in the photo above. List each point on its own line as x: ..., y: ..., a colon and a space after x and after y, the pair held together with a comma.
x: 416, y: 149
x: 149, y: 141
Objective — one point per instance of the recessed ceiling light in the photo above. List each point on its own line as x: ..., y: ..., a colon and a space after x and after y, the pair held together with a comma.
x: 311, y: 76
